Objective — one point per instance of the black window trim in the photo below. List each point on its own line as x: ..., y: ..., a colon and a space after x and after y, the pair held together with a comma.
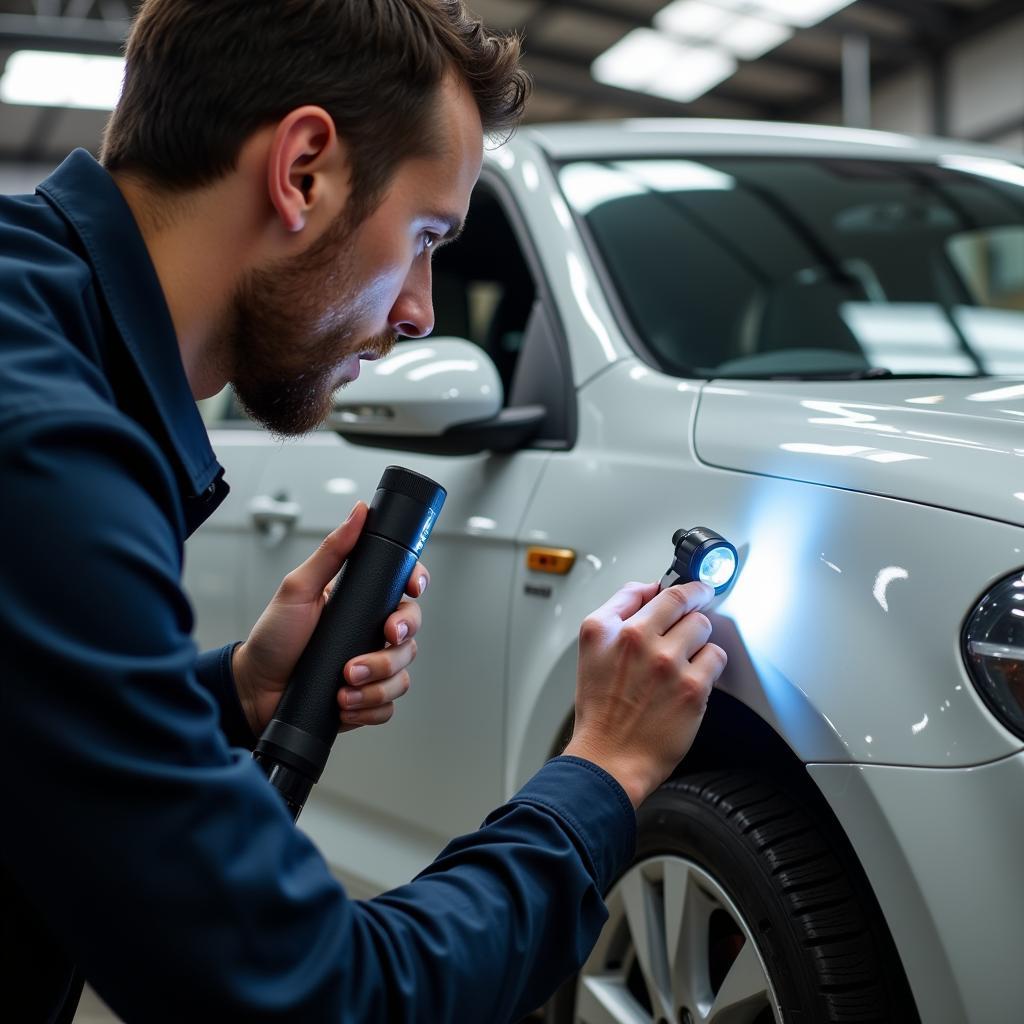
x: 493, y: 181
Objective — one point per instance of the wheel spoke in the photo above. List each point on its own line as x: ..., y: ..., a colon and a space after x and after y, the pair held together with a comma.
x: 688, y: 910
x: 607, y: 1001
x: 744, y: 990
x: 597, y: 962
x: 645, y: 913
x: 667, y: 934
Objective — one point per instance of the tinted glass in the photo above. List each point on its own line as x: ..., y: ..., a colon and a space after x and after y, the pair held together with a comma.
x: 760, y: 267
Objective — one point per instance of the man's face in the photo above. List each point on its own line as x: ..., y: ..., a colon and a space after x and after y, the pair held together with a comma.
x: 298, y: 329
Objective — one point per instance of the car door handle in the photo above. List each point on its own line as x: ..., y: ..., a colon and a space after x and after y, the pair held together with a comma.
x: 273, y: 514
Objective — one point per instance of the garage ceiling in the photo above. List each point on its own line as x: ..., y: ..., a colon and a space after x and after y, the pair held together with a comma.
x: 794, y: 81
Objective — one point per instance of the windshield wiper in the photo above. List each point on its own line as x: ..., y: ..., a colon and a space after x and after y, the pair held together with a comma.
x: 870, y: 373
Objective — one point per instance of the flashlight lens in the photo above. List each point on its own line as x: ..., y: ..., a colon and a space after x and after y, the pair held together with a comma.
x: 717, y: 567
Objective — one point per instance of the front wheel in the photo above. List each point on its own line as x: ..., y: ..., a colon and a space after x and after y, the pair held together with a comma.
x: 741, y: 907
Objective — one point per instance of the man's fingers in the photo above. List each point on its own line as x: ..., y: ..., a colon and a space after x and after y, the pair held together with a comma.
x: 368, y: 716
x: 709, y: 663
x: 689, y: 635
x: 309, y: 580
x: 626, y: 601
x: 374, y: 694
x: 404, y: 623
x: 372, y: 668
x: 418, y: 581
x: 664, y: 610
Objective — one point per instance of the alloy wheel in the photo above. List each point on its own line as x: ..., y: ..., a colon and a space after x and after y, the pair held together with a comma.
x: 675, y: 950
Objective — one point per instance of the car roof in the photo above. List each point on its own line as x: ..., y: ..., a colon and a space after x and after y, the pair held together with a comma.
x: 693, y: 136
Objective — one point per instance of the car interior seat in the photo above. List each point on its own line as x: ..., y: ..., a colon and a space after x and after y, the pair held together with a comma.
x: 805, y: 312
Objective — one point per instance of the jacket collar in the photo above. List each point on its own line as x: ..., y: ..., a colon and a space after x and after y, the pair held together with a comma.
x: 92, y: 203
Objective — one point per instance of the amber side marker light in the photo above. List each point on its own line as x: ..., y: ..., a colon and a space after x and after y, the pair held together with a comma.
x: 557, y: 561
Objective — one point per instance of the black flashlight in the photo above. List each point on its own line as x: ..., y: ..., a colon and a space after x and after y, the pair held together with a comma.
x: 295, y: 745
x: 701, y: 554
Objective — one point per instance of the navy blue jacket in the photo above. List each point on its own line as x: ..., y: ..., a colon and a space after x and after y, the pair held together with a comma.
x: 139, y: 840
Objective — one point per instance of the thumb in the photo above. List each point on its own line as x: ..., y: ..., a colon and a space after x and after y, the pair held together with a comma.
x: 317, y: 571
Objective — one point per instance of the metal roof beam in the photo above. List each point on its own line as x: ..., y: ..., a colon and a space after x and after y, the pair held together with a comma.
x: 80, y: 35
x: 932, y: 51
x: 927, y: 19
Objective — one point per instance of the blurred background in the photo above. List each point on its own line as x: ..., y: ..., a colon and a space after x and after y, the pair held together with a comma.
x: 939, y: 67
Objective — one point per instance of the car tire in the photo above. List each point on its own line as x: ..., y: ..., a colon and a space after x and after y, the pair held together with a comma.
x: 751, y: 910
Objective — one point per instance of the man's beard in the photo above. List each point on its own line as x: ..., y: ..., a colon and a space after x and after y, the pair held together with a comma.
x: 290, y: 326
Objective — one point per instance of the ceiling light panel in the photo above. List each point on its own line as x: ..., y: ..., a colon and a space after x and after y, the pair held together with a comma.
x: 801, y: 13
x: 43, y: 79
x: 655, y: 63
x: 693, y: 19
x: 750, y: 38
x: 693, y: 73
x: 725, y: 25
x: 636, y: 59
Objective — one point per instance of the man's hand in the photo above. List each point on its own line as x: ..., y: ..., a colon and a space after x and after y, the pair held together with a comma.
x: 645, y: 674
x: 263, y: 664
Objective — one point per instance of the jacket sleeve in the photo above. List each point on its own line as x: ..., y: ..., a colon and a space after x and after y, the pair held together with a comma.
x: 213, y: 673
x: 155, y: 851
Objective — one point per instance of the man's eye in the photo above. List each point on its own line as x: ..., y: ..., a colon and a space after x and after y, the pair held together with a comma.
x: 430, y: 239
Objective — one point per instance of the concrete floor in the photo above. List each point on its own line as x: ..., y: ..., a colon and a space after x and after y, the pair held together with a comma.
x: 92, y: 1010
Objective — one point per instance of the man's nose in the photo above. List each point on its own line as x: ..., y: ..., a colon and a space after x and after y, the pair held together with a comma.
x: 412, y: 315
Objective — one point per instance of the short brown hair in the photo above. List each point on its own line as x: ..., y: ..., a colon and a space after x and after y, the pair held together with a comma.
x: 203, y: 75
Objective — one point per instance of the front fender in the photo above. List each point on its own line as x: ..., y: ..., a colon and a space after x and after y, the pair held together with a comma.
x: 842, y: 627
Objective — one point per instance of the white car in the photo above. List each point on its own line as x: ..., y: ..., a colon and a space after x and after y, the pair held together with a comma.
x: 810, y: 340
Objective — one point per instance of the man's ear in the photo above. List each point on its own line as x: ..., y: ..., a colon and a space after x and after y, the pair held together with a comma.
x: 307, y: 169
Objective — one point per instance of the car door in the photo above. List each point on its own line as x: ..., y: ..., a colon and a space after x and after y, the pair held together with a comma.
x: 437, y: 768
x: 220, y: 557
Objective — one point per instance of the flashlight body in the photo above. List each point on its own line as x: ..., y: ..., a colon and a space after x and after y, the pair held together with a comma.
x: 691, y: 547
x: 294, y: 747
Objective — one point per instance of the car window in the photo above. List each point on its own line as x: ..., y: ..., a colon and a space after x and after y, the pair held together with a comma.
x: 483, y: 289
x: 991, y: 264
x: 779, y: 266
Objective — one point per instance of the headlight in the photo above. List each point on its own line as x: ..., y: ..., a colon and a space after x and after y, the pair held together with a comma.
x: 994, y: 651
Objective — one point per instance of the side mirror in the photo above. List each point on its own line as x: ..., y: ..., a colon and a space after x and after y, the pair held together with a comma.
x: 438, y: 396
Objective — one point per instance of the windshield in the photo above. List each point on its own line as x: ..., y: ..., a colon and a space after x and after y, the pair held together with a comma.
x: 749, y: 267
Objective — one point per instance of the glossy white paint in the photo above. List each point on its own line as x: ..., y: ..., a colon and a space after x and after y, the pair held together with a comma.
x: 682, y: 136
x: 843, y: 626
x: 420, y: 390
x: 942, y: 850
x: 963, y: 449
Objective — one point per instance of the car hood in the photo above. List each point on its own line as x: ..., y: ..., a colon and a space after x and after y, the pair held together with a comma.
x: 953, y: 443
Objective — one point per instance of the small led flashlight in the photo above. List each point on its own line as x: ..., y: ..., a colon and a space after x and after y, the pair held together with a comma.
x: 701, y: 554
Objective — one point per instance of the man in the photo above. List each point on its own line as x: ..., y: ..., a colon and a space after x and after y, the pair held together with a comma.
x: 275, y: 179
